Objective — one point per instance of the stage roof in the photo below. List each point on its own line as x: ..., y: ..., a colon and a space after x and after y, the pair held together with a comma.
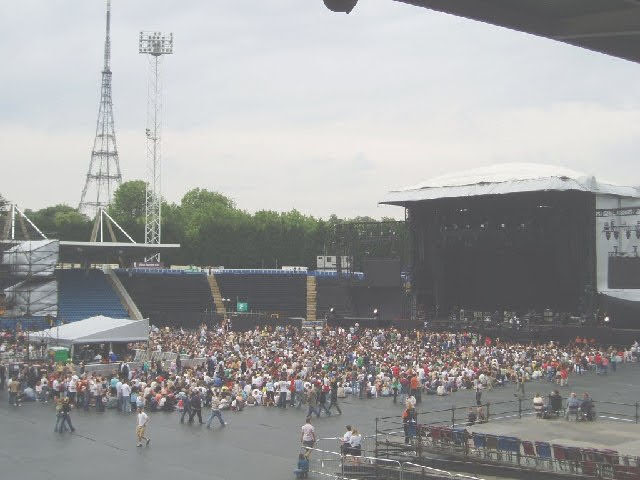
x: 606, y: 26
x: 107, y: 252
x: 506, y: 178
x: 99, y: 329
x: 102, y: 252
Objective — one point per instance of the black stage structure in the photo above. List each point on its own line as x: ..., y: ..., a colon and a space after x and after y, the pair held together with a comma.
x: 517, y: 251
x: 521, y: 241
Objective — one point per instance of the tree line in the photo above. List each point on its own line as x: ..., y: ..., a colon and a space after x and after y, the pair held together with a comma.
x: 213, y: 231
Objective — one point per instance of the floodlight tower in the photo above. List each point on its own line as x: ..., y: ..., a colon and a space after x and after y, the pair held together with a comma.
x: 104, y: 174
x: 155, y: 45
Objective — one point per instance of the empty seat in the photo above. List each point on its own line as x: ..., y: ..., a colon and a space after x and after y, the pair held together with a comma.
x: 171, y: 299
x: 86, y: 293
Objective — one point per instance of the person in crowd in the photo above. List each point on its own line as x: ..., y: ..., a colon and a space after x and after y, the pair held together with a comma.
x: 66, y: 415
x: 312, y: 400
x: 573, y: 406
x: 303, y: 466
x: 125, y: 394
x: 215, y: 412
x: 538, y: 405
x: 409, y: 421
x: 15, y: 391
x: 59, y: 417
x: 478, y: 393
x: 334, y: 397
x: 471, y: 416
x: 355, y: 443
x: 345, y: 441
x: 555, y: 403
x: 186, y: 406
x: 587, y: 408
x: 196, y: 406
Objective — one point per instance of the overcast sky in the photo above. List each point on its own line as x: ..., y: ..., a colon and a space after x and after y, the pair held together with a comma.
x: 282, y: 104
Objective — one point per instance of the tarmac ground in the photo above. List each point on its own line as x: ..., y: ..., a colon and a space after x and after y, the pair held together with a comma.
x: 258, y: 444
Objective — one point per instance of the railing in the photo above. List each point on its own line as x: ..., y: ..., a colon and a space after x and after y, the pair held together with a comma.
x: 505, y: 410
x: 443, y: 431
x: 329, y: 464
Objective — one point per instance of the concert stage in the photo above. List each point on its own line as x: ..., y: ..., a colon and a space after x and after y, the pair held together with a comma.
x: 520, y: 238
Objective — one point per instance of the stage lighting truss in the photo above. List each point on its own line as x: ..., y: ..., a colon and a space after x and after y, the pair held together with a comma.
x: 610, y: 228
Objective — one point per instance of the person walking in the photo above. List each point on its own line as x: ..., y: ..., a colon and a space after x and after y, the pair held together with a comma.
x: 14, y: 392
x: 308, y: 436
x: 312, y: 400
x: 59, y: 417
x: 283, y: 388
x: 141, y: 426
x: 186, y: 406
x: 334, y: 397
x: 299, y: 396
x: 66, y: 415
x: 196, y: 407
x: 322, y: 401
x: 215, y: 412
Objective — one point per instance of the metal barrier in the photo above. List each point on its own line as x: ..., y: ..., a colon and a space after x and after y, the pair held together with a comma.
x: 368, y: 444
x: 414, y: 471
x: 443, y: 432
x: 337, y: 466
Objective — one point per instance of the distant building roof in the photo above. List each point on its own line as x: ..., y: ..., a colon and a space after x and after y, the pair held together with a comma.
x: 506, y: 178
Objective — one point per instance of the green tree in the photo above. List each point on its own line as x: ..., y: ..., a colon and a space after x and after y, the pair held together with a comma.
x: 62, y: 222
x: 128, y: 208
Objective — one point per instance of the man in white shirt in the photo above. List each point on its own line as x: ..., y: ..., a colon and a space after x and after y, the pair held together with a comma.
x: 345, y: 443
x: 125, y: 391
x: 141, y: 425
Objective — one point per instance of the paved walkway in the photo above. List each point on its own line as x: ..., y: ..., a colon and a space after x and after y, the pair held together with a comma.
x: 259, y: 443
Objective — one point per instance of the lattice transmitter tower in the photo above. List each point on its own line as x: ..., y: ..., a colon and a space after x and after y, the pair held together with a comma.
x: 104, y: 174
x: 155, y: 45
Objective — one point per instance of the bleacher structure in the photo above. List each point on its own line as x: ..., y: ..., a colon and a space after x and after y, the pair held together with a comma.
x: 86, y: 293
x: 170, y: 297
x: 283, y: 294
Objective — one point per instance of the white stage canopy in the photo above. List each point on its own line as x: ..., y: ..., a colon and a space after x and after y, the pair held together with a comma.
x: 506, y: 178
x: 99, y: 329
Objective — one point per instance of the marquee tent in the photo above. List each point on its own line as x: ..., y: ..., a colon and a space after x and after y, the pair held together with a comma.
x: 99, y: 329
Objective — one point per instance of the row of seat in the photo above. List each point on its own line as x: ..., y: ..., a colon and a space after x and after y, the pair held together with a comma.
x: 285, y: 295
x: 86, y: 293
x: 170, y: 299
x: 604, y: 463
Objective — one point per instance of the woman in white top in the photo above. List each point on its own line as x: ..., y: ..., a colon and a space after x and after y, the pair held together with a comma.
x: 538, y: 405
x: 355, y: 442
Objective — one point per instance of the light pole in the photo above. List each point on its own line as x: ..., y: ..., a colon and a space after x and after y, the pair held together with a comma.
x: 154, y: 44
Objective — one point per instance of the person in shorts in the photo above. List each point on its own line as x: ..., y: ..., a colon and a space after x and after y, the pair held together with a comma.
x: 141, y: 425
x: 308, y: 436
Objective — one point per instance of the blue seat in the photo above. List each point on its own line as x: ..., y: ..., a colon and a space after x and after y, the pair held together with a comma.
x: 479, y: 440
x: 459, y: 436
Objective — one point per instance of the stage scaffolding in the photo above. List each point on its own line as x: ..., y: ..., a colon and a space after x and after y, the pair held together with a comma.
x: 27, y: 274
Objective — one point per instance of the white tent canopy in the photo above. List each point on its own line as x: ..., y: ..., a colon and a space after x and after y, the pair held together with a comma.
x: 506, y: 178
x: 99, y: 329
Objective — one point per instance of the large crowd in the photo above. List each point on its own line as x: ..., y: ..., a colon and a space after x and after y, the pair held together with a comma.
x: 288, y: 367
